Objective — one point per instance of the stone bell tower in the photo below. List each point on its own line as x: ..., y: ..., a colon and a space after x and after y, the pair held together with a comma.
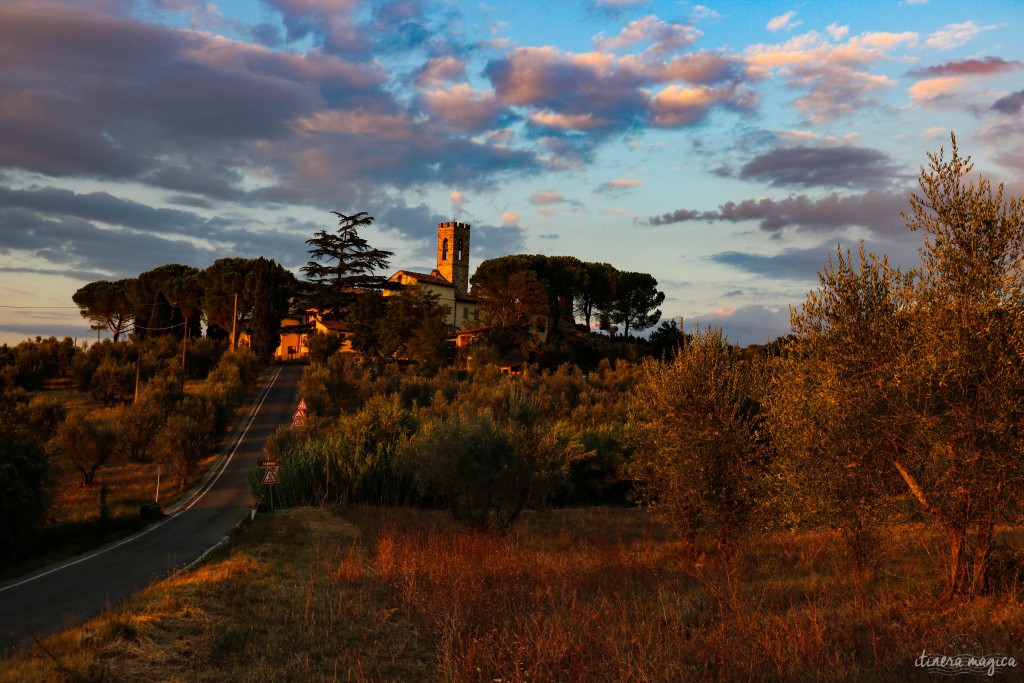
x: 453, y: 253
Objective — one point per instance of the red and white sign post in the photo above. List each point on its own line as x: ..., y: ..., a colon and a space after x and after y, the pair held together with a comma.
x: 270, y: 478
x: 299, y: 418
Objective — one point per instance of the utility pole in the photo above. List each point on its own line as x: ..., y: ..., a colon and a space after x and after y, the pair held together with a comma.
x: 138, y: 368
x: 184, y: 339
x: 234, y: 322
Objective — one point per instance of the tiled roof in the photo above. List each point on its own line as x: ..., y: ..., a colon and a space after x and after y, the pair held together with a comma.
x: 424, y: 278
x: 335, y: 325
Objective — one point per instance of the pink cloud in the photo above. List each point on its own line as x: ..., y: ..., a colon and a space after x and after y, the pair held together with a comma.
x: 782, y: 21
x: 969, y: 67
x: 599, y: 91
x: 677, y: 105
x: 546, y: 198
x: 463, y: 107
x: 664, y: 37
x: 701, y: 68
x: 441, y: 70
x: 548, y: 119
x: 934, y: 88
x: 836, y: 76
x: 955, y: 35
x: 459, y: 200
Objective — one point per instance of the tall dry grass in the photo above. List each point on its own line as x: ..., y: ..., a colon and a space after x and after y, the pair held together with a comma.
x: 559, y: 601
x: 572, y: 595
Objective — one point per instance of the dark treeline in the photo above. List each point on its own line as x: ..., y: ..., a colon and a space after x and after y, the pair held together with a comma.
x: 232, y: 295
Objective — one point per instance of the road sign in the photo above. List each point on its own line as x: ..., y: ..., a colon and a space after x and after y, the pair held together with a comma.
x: 302, y: 406
x: 270, y: 476
x: 270, y: 463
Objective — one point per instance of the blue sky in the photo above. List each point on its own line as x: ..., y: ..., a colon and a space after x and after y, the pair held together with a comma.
x: 724, y: 147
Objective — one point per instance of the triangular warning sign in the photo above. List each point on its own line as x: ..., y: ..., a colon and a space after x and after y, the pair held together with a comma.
x: 270, y: 476
x: 302, y: 406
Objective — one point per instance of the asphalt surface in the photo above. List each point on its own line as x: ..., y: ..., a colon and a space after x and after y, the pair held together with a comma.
x: 50, y: 600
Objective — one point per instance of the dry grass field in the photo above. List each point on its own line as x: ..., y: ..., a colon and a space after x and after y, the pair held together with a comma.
x: 601, y: 594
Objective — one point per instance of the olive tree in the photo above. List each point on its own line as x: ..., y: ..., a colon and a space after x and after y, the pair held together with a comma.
x: 697, y: 438
x: 915, y: 380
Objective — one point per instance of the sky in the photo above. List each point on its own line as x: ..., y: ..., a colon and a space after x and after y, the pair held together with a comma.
x: 727, y: 148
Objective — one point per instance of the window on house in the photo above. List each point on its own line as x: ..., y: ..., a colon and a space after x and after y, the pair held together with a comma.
x: 465, y: 312
x: 476, y: 314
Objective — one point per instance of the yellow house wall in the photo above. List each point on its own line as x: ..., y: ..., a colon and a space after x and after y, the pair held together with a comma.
x: 445, y: 297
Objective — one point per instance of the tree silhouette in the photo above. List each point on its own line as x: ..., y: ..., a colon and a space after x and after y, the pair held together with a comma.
x: 343, y: 264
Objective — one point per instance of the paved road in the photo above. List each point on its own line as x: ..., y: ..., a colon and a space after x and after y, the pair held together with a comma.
x: 56, y: 598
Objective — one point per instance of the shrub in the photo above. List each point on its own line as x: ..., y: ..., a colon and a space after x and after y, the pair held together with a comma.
x: 469, y: 463
x: 186, y: 437
x: 358, y: 460
x: 85, y: 443
x: 697, y: 435
x: 24, y: 479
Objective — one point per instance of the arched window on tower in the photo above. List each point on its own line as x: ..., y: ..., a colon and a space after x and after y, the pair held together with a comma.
x: 458, y: 249
x: 444, y: 249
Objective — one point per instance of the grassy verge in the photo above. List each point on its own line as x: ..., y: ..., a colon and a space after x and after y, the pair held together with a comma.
x: 573, y: 595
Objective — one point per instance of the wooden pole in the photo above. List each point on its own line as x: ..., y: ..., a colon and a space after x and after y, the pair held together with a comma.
x: 234, y: 322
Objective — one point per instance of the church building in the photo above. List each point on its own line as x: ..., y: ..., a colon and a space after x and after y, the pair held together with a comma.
x: 449, y: 282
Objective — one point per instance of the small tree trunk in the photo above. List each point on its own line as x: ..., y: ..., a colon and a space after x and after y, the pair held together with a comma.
x: 88, y: 475
x: 957, y: 561
x: 980, y: 556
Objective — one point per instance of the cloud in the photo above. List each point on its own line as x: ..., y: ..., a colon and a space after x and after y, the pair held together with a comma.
x: 509, y: 218
x: 836, y: 77
x: 564, y: 87
x: 744, y: 325
x: 79, y: 245
x: 1010, y: 104
x: 619, y: 184
x: 937, y: 88
x: 459, y: 200
x: 699, y: 68
x: 836, y: 31
x: 491, y: 241
x: 549, y: 119
x: 794, y: 264
x: 783, y: 21
x: 664, y: 38
x: 463, y: 107
x: 955, y: 35
x: 946, y: 81
x: 805, y: 263
x: 803, y: 166
x: 602, y: 93
x: 876, y: 211
x: 214, y: 118
x: 968, y: 67
x: 700, y: 13
x: 546, y: 198
x: 617, y: 6
x: 678, y: 106
x: 440, y: 71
